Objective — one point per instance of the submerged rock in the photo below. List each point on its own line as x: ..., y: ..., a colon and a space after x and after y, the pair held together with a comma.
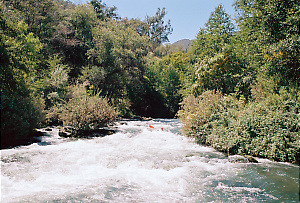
x: 68, y: 131
x: 98, y: 133
x: 37, y: 133
x: 65, y: 131
x: 64, y: 134
x: 146, y: 119
x: 48, y: 129
x: 242, y: 159
x: 238, y: 159
x: 251, y: 159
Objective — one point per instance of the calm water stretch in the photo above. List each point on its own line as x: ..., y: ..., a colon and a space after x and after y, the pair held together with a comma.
x: 139, y: 164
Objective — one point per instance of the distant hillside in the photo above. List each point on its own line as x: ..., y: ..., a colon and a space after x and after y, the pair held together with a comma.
x: 185, y: 43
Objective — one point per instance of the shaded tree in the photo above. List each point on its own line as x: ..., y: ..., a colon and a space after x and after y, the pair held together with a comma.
x: 40, y: 16
x: 21, y: 107
x: 73, y: 38
x: 116, y: 63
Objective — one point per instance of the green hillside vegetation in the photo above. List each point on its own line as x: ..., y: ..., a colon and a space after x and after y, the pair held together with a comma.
x: 245, y: 97
x: 236, y: 88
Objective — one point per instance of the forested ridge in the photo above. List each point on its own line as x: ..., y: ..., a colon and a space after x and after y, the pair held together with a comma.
x: 236, y: 88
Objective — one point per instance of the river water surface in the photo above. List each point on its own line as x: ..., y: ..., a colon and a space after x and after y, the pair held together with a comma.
x: 139, y: 164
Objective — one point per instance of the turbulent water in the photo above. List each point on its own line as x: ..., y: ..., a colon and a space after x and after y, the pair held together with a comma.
x: 139, y: 164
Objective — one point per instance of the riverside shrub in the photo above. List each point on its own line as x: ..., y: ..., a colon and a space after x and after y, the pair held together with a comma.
x: 20, y: 115
x: 87, y: 113
x: 268, y: 128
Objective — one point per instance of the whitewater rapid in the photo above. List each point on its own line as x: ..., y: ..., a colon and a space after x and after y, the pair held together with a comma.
x: 139, y: 164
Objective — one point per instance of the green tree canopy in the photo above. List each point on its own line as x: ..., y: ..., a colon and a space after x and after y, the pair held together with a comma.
x: 104, y: 12
x: 217, y: 33
x: 157, y: 30
x: 270, y: 33
x: 20, y: 107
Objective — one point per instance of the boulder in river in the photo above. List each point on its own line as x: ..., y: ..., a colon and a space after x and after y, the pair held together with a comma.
x: 65, y: 131
x: 48, y: 129
x: 68, y: 131
x: 242, y: 159
x: 98, y: 133
x: 251, y: 159
x: 238, y: 159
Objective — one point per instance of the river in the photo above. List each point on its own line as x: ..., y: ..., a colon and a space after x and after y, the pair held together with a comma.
x: 139, y: 164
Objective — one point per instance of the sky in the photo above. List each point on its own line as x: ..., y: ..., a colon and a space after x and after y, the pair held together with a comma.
x: 187, y: 16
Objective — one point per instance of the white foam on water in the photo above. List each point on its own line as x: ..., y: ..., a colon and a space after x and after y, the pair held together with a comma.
x: 136, y: 164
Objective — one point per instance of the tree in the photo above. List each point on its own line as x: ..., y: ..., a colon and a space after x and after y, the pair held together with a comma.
x: 217, y: 33
x: 218, y: 67
x: 73, y: 37
x: 104, y: 12
x: 223, y: 72
x: 270, y: 31
x: 158, y: 31
x: 170, y: 77
x: 154, y: 27
x: 139, y: 26
x: 21, y: 107
x: 40, y: 16
x: 116, y: 62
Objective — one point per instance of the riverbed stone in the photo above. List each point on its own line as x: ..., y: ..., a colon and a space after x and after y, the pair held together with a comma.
x: 251, y: 159
x: 37, y: 133
x: 68, y: 131
x: 242, y: 159
x: 64, y: 134
x: 238, y: 159
x: 48, y: 129
x: 65, y: 131
x: 99, y: 132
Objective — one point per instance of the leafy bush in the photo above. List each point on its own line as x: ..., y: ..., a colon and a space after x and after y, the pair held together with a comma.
x: 81, y: 111
x: 20, y: 115
x: 55, y: 88
x: 53, y: 114
x: 84, y: 112
x: 87, y: 113
x: 196, y: 112
x: 269, y: 128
